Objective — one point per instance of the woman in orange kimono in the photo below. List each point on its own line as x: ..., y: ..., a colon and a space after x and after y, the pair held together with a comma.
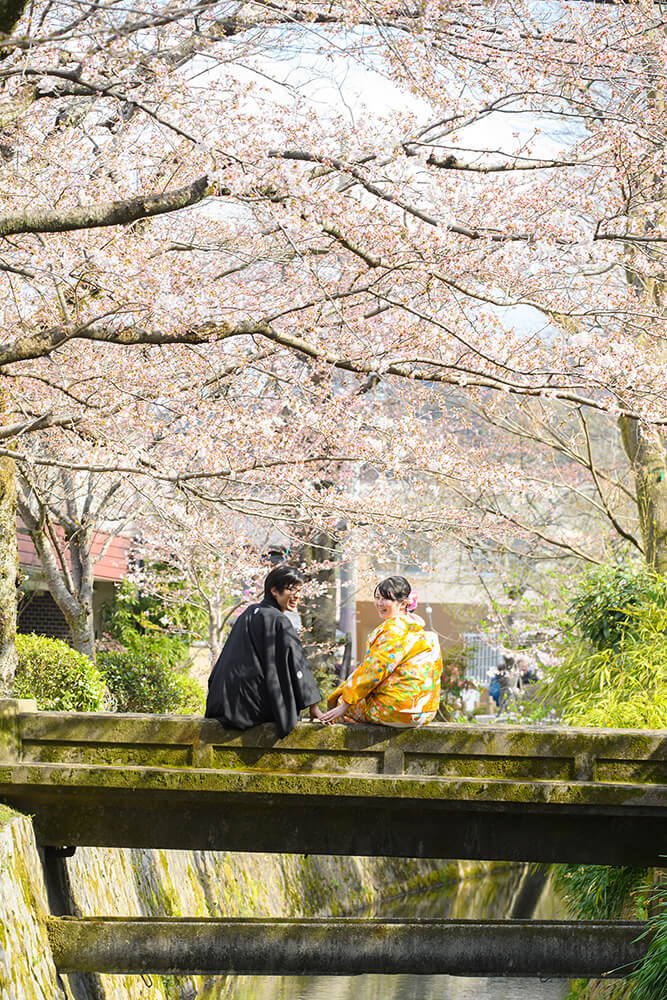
x: 398, y: 683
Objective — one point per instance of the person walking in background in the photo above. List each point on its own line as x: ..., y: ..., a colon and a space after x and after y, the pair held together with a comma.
x: 505, y: 689
x: 262, y: 674
x: 398, y: 683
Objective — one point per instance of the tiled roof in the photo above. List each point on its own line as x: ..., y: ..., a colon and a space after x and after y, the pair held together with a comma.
x: 112, y: 565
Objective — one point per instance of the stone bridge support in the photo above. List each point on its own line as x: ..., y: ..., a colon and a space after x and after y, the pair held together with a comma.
x: 348, y: 946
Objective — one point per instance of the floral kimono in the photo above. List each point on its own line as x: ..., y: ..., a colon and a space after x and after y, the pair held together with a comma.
x: 398, y: 683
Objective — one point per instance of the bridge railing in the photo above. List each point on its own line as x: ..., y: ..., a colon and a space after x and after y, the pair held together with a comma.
x: 438, y: 751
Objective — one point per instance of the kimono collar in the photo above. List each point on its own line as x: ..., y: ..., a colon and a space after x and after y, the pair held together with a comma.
x: 270, y: 602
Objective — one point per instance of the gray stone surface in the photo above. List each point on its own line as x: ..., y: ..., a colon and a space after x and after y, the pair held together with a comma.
x: 27, y: 970
x: 480, y: 792
x: 350, y: 947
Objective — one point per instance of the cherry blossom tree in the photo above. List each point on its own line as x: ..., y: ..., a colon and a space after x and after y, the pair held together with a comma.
x: 216, y: 563
x: 253, y: 248
x: 63, y: 511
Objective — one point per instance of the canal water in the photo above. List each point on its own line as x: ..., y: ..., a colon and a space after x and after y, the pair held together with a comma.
x: 508, y: 891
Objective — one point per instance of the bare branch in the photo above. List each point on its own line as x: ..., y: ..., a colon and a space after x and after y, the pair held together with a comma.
x: 591, y: 465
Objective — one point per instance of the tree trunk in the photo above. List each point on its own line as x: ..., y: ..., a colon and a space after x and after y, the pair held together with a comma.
x: 10, y: 14
x: 82, y: 625
x: 216, y: 625
x: 82, y: 631
x: 645, y: 447
x: 8, y: 574
x: 74, y: 597
x: 320, y: 613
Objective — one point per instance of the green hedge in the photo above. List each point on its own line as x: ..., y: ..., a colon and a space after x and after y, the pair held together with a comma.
x: 141, y: 682
x: 59, y: 678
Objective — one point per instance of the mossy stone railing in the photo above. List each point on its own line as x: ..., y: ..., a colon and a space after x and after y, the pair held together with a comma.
x: 437, y: 751
x: 465, y: 791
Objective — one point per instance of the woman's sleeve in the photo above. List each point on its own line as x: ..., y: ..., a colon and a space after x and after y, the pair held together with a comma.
x: 383, y: 656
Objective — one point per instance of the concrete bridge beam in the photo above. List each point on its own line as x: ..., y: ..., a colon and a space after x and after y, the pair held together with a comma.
x: 347, y: 946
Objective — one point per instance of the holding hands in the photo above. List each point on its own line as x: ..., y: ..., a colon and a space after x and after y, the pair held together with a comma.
x: 335, y: 713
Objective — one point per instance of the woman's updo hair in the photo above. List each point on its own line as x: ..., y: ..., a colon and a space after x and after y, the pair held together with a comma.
x: 393, y: 588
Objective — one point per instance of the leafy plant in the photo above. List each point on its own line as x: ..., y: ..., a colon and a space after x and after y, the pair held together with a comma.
x: 650, y: 980
x: 614, y: 673
x: 145, y: 626
x: 146, y: 675
x: 613, y: 670
x: 192, y: 697
x: 597, y: 892
x: 622, y: 687
x: 603, y: 609
x: 59, y: 678
x: 139, y: 682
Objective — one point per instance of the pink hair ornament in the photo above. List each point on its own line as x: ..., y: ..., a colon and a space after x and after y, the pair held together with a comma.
x: 413, y: 600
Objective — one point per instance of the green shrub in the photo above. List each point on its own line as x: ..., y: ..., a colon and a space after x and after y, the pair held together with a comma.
x: 138, y: 620
x: 59, y: 678
x: 597, y: 892
x: 140, y: 682
x: 147, y: 674
x: 613, y: 673
x: 650, y: 980
x: 613, y: 670
x: 192, y: 697
x: 603, y: 609
x: 620, y: 687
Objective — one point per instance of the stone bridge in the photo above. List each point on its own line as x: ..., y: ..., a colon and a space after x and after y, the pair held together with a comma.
x: 448, y: 791
x: 589, y: 796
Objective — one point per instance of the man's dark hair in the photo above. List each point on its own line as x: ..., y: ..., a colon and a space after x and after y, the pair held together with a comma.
x: 281, y: 578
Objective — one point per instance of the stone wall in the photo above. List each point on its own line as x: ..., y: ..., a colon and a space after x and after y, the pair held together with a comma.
x: 26, y: 969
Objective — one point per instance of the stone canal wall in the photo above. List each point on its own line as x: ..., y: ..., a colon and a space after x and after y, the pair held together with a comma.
x: 26, y: 969
x: 134, y: 882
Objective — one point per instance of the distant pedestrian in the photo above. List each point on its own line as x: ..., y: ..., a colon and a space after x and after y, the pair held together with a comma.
x: 507, y: 692
x: 494, y: 689
x: 528, y: 674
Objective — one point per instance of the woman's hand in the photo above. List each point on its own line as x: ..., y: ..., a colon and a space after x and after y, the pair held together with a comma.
x: 316, y: 713
x: 335, y: 713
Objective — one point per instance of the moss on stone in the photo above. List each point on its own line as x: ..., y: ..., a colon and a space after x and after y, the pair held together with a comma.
x: 7, y: 814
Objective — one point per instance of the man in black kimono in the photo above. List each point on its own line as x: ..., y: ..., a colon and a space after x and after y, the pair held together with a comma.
x: 261, y: 674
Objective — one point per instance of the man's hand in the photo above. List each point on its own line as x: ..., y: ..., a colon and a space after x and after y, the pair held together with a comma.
x: 335, y: 713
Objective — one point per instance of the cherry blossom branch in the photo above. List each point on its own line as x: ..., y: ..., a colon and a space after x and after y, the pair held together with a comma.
x: 401, y: 369
x: 43, y: 343
x: 529, y: 529
x: 110, y: 213
x: 37, y: 423
x: 450, y: 162
x: 554, y: 442
x: 478, y: 233
x: 145, y: 468
x: 433, y: 370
